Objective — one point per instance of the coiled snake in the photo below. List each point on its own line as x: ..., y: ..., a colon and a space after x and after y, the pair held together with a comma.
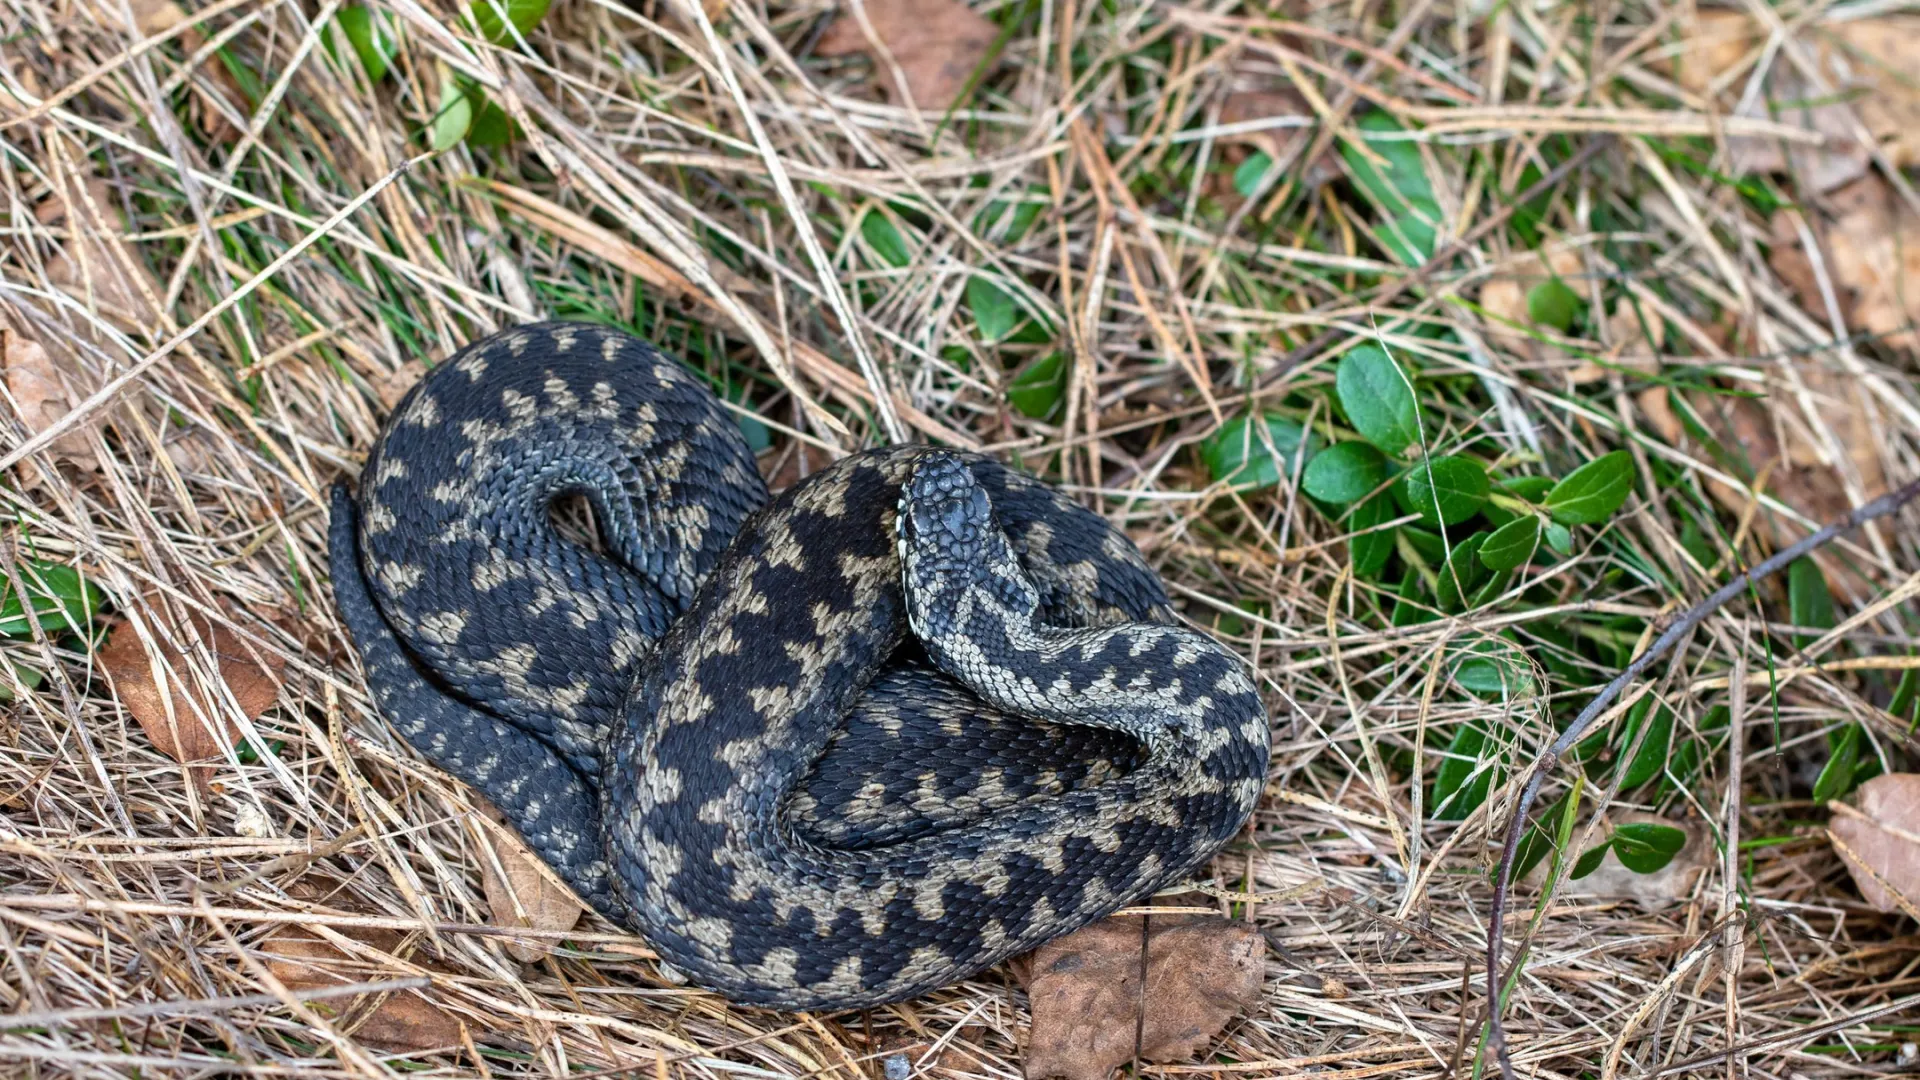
x: 915, y: 715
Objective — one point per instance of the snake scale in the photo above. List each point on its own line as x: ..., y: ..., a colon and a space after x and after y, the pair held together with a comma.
x: 915, y: 715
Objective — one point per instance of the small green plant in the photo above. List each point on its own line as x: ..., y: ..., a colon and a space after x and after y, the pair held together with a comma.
x: 1451, y: 532
x: 56, y: 598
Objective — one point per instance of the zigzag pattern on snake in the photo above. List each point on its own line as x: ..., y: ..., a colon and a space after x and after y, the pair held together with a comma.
x: 917, y: 714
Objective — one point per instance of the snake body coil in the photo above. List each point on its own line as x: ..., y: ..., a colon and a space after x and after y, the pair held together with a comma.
x: 915, y: 715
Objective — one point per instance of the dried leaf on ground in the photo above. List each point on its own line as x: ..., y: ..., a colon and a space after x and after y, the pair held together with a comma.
x: 251, y: 676
x: 1634, y: 340
x: 938, y: 45
x: 39, y: 392
x: 1281, y: 143
x: 543, y: 903
x: 86, y: 267
x: 1873, y: 256
x: 1885, y: 837
x: 1088, y: 1006
x: 401, y: 1020
x: 1747, y: 444
x: 1712, y: 41
x: 1882, y: 56
x: 905, y: 1056
x: 1864, y: 72
x: 1504, y: 296
x: 1612, y: 880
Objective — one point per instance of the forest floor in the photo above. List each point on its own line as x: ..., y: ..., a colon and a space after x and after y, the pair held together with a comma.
x: 1436, y: 355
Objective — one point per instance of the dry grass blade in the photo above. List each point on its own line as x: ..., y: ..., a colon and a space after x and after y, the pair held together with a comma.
x: 1132, y: 247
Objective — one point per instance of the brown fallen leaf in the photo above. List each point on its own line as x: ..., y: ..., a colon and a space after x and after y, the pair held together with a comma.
x: 1864, y: 69
x: 543, y: 903
x: 1088, y: 1006
x: 1505, y: 296
x: 904, y: 1056
x: 147, y: 681
x: 1633, y: 343
x: 1712, y: 41
x: 938, y: 44
x: 1280, y: 143
x: 40, y: 395
x: 1881, y: 55
x: 786, y: 466
x: 1883, y: 834
x: 401, y: 1020
x: 1748, y: 444
x: 1873, y: 242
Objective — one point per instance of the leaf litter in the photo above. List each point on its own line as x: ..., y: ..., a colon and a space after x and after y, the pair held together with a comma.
x: 1092, y: 1015
x: 1879, y: 840
x: 185, y: 705
x: 937, y: 45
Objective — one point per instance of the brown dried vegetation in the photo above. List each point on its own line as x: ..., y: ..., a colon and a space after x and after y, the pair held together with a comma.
x: 774, y: 215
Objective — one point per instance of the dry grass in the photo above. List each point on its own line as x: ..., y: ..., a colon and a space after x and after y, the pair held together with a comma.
x: 639, y: 192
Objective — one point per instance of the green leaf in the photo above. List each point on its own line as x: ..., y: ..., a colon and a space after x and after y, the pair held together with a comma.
x: 1488, y: 591
x: 1512, y: 544
x: 1407, y: 611
x: 1530, y: 488
x: 1591, y: 493
x: 1539, y: 842
x: 884, y: 237
x: 1836, y: 776
x: 1590, y: 862
x: 1652, y: 757
x: 52, y: 595
x: 1558, y: 537
x: 1370, y: 551
x: 1038, y: 388
x: 1696, y: 544
x: 491, y: 127
x: 1246, y: 178
x: 371, y: 35
x: 1397, y: 183
x: 1025, y: 213
x: 524, y: 15
x: 1425, y: 543
x: 994, y: 312
x: 1239, y: 454
x: 1400, y: 177
x: 1644, y: 847
x: 1344, y: 473
x: 1552, y: 303
x: 1808, y: 599
x: 1461, y: 572
x: 455, y: 117
x: 1494, y: 667
x: 30, y: 678
x: 1378, y: 399
x: 1905, y: 694
x: 1443, y: 490
x: 1457, y: 792
x: 1413, y: 235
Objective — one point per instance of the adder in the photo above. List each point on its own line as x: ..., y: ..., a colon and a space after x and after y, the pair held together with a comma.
x: 915, y: 715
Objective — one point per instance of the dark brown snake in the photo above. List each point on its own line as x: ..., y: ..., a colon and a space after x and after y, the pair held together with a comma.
x: 917, y: 714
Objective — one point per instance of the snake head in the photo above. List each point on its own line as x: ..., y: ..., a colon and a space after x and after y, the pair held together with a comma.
x: 957, y: 565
